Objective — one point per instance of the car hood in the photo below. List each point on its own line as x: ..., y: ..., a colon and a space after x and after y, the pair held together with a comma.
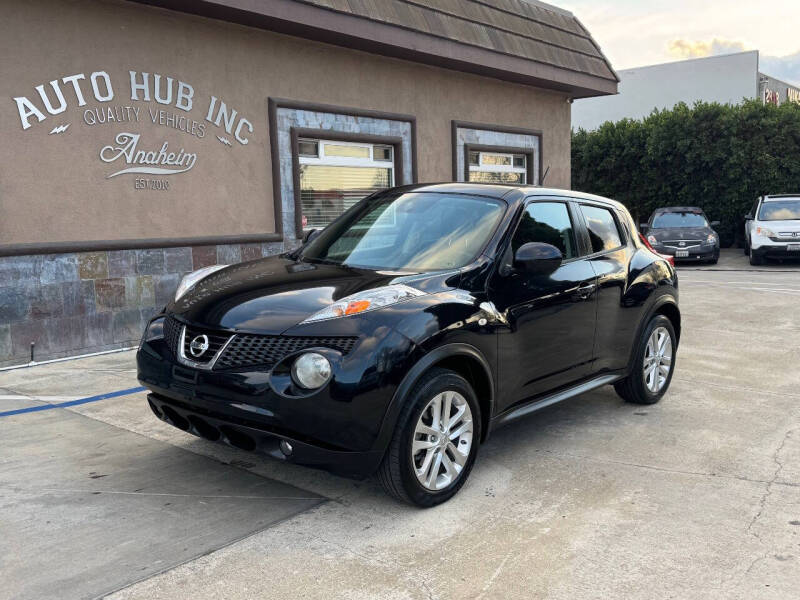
x: 778, y: 226
x: 271, y: 295
x: 680, y: 233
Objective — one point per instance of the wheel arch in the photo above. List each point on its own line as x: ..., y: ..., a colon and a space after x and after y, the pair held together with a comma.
x: 464, y: 359
x: 665, y: 305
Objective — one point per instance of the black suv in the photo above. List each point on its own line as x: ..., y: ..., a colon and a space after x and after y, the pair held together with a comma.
x: 400, y: 336
x: 684, y: 233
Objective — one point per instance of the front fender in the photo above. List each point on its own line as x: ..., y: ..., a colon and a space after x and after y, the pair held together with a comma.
x: 421, y: 366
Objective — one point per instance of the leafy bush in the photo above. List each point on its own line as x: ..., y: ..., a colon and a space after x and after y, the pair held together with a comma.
x: 718, y: 157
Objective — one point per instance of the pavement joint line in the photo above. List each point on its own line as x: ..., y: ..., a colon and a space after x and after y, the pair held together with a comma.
x: 41, y: 398
x: 739, y: 389
x: 121, y: 493
x: 611, y: 461
x: 42, y: 407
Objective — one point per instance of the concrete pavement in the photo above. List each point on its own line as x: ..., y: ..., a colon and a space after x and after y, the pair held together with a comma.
x: 695, y: 497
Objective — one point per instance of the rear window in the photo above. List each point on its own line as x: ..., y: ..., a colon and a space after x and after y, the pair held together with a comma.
x: 603, y: 229
x: 780, y: 210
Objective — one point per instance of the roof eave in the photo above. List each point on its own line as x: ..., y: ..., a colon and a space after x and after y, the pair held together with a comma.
x: 314, y: 23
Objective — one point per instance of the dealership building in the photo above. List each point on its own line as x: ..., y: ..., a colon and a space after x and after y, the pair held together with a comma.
x: 142, y: 140
x: 727, y: 79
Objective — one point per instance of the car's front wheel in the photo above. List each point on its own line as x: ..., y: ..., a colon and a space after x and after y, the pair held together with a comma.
x: 435, y: 441
x: 653, y: 364
x: 755, y: 259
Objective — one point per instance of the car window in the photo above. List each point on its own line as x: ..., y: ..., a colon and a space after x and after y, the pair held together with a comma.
x: 547, y: 222
x: 415, y: 231
x: 671, y: 220
x: 783, y: 210
x: 603, y: 230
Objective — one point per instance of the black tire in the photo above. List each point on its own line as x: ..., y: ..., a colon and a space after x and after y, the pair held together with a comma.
x: 396, y: 472
x: 755, y: 259
x: 633, y: 388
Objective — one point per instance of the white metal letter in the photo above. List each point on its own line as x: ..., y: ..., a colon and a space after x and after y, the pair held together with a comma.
x: 62, y: 104
x: 144, y: 86
x: 73, y: 79
x: 27, y: 109
x: 109, y: 91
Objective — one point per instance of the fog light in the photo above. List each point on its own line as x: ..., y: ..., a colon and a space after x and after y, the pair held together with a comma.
x: 311, y: 371
x: 286, y: 448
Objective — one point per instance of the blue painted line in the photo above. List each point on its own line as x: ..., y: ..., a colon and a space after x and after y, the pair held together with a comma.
x: 30, y: 409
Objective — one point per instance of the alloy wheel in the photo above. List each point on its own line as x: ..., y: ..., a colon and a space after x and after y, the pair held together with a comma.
x: 442, y: 440
x: 657, y: 360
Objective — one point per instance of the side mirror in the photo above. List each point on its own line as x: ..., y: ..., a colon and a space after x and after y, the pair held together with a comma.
x: 643, y: 227
x: 715, y: 223
x: 310, y: 235
x: 538, y: 258
x: 748, y: 217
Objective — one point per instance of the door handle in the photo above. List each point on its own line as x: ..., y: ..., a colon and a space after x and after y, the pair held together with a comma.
x: 585, y: 290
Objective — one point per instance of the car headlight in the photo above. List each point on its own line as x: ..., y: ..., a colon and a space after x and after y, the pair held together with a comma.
x: 764, y: 231
x: 712, y: 238
x: 154, y: 331
x: 192, y: 278
x: 311, y: 371
x: 652, y: 239
x: 365, y: 301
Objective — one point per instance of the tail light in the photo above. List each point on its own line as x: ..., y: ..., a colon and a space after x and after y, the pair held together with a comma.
x: 667, y: 257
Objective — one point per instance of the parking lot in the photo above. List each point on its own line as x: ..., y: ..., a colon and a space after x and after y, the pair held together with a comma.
x: 695, y: 497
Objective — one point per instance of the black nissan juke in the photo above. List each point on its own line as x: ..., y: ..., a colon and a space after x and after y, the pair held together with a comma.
x: 396, y: 339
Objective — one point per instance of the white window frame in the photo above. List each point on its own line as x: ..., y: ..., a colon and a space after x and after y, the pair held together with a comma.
x: 348, y: 161
x: 500, y: 168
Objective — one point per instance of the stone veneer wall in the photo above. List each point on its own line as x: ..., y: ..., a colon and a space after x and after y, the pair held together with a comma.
x: 77, y: 303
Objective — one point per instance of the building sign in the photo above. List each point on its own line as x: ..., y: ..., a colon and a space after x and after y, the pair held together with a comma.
x: 771, y: 97
x: 793, y: 94
x: 124, y: 107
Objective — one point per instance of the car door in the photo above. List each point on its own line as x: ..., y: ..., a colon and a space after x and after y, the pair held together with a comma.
x: 551, y: 318
x: 611, y: 251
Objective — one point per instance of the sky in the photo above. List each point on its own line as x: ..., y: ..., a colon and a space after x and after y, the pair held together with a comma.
x: 633, y: 33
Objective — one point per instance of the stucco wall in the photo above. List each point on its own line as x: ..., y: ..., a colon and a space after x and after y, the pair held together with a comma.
x: 55, y: 186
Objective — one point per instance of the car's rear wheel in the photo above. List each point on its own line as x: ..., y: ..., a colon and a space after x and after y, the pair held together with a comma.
x: 435, y: 441
x: 653, y: 364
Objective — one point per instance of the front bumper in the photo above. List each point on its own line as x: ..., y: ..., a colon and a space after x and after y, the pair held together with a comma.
x: 777, y: 251
x: 695, y: 254
x: 252, y: 437
x: 335, y: 428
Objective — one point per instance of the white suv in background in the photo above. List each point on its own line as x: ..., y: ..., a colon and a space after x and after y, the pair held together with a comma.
x: 772, y: 228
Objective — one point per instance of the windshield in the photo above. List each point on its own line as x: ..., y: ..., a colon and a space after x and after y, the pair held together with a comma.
x: 784, y: 210
x: 678, y: 219
x: 418, y: 231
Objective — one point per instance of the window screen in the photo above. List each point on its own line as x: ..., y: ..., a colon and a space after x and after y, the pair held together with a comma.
x: 547, y: 222
x: 339, y: 175
x: 603, y: 230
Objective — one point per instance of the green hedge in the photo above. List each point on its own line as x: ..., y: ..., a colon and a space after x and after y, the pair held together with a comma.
x: 718, y: 157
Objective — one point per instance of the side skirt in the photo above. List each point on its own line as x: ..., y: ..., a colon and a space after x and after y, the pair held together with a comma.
x: 540, y: 403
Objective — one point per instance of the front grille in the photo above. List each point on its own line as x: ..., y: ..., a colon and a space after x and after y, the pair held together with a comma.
x: 172, y: 334
x: 267, y: 350
x: 676, y: 244
x: 215, y: 343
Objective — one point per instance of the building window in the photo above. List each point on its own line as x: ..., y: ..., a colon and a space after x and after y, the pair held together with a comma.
x: 334, y: 175
x: 498, y: 167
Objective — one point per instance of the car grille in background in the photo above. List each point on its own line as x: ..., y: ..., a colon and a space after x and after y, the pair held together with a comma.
x: 266, y: 350
x: 681, y: 244
x: 248, y: 350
